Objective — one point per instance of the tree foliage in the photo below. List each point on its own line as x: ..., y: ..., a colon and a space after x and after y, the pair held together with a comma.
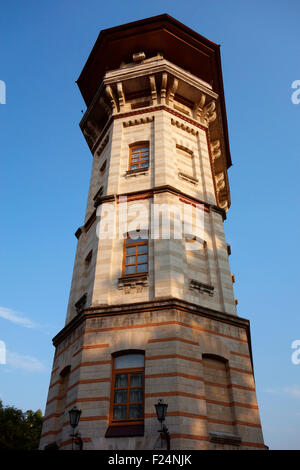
x: 19, y: 430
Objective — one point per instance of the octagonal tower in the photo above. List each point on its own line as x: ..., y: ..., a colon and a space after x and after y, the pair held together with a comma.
x: 153, y: 317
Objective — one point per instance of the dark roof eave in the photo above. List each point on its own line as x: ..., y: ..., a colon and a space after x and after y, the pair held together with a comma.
x: 143, y: 22
x: 223, y: 109
x: 159, y: 20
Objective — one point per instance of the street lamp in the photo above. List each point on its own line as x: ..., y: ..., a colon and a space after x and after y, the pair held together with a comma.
x: 161, y: 411
x: 74, y: 415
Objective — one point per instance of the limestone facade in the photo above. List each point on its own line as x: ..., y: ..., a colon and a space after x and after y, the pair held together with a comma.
x: 181, y: 313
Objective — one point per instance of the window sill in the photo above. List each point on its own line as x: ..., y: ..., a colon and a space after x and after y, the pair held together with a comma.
x: 225, y: 438
x: 141, y: 278
x: 123, y: 430
x: 188, y: 178
x: 133, y: 281
x: 137, y: 172
x: 201, y: 287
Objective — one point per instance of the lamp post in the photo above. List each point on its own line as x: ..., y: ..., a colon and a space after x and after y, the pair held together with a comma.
x: 161, y: 411
x: 74, y: 415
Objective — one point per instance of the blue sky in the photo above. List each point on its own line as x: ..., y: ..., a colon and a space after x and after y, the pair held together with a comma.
x: 45, y: 166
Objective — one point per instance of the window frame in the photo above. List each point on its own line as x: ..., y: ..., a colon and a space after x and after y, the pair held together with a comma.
x: 135, y: 243
x: 128, y: 370
x: 134, y: 147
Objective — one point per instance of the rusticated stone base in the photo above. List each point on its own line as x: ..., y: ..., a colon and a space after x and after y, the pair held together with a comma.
x: 198, y: 361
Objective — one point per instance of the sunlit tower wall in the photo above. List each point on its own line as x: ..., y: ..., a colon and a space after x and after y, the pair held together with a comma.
x: 154, y: 318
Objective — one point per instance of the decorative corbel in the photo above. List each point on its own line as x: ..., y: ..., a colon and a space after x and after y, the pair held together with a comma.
x: 172, y: 90
x: 224, y: 205
x: 163, y: 90
x: 209, y: 112
x: 220, y: 181
x: 215, y: 148
x: 221, y: 190
x: 111, y: 97
x: 198, y: 108
x: 153, y: 89
x: 121, y: 95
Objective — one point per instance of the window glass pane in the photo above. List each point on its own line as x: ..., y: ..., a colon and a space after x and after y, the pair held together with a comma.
x: 136, y: 380
x: 119, y: 412
x: 143, y: 236
x: 130, y: 250
x: 121, y: 380
x: 121, y: 396
x: 142, y: 248
x: 130, y: 269
x: 135, y: 411
x: 137, y: 236
x: 136, y: 395
x: 130, y: 241
x: 142, y: 259
x: 129, y: 360
x: 134, y: 167
x: 130, y: 259
x: 144, y: 165
x: 142, y: 268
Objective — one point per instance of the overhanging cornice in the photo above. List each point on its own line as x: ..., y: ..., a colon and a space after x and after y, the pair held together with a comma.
x: 160, y: 34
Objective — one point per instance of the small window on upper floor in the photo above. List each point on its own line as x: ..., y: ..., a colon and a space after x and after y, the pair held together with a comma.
x: 139, y: 156
x: 135, y: 257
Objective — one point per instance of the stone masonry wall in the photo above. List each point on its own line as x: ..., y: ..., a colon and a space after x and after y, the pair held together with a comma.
x: 174, y: 342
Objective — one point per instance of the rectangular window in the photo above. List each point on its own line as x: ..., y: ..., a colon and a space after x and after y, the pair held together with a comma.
x: 135, y: 256
x: 139, y: 157
x: 127, y: 402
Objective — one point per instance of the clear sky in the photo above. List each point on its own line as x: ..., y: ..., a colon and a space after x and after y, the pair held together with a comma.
x: 45, y: 166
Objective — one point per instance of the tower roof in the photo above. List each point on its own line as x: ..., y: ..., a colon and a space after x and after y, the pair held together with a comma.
x: 158, y: 34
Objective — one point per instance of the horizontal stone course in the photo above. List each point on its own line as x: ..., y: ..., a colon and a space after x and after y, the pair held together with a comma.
x: 174, y: 343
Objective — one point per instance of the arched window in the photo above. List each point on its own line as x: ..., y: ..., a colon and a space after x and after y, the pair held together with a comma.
x: 139, y: 156
x: 127, y: 392
x: 62, y: 396
x: 218, y: 394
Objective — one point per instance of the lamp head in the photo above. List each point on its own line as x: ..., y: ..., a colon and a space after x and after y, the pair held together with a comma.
x: 161, y: 410
x: 74, y: 415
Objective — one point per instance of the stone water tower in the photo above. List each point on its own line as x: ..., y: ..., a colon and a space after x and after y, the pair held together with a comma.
x: 153, y: 317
